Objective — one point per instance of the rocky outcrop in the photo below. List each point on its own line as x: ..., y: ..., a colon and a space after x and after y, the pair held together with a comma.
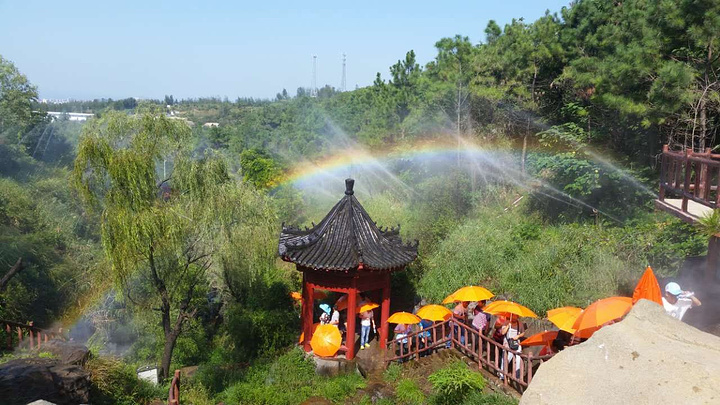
x: 648, y: 358
x: 67, y: 352
x: 30, y: 379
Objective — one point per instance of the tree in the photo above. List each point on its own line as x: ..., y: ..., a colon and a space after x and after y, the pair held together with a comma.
x: 16, y: 98
x: 159, y: 234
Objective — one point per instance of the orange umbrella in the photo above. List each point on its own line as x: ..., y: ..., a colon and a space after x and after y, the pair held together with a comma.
x: 541, y: 339
x: 509, y: 307
x: 599, y: 313
x: 469, y: 293
x: 434, y: 312
x: 302, y: 335
x: 342, y: 302
x: 367, y: 306
x: 326, y: 340
x: 404, y: 318
x: 564, y: 317
x: 647, y: 288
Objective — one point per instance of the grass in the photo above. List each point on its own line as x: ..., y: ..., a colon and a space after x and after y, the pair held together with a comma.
x: 290, y: 379
x: 542, y: 266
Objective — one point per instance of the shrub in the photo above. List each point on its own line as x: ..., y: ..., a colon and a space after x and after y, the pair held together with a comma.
x: 114, y: 382
x: 290, y: 379
x: 407, y: 392
x: 392, y: 373
x: 480, y: 398
x: 452, y: 383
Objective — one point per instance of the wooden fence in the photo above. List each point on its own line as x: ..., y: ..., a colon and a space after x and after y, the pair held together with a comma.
x: 16, y: 333
x: 489, y: 354
x: 692, y: 176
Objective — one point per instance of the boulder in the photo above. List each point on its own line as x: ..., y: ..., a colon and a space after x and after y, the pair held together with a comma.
x: 648, y: 358
x: 67, y: 352
x: 31, y: 379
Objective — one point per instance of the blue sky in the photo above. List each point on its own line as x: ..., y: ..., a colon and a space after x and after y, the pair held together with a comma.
x: 146, y: 49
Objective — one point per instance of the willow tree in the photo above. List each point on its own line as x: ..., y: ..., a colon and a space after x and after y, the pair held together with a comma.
x: 163, y: 210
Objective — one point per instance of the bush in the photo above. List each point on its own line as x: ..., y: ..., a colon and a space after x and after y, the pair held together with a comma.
x: 480, y: 398
x: 453, y: 383
x: 114, y: 382
x: 392, y: 373
x: 407, y: 392
x: 290, y: 379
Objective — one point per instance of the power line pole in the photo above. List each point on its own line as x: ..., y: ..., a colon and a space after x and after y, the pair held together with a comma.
x: 344, y: 74
x: 313, y: 86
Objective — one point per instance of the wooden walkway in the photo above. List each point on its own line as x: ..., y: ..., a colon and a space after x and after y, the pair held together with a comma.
x: 488, y: 354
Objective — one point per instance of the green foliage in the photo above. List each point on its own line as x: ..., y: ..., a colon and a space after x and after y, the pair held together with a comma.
x: 481, y: 398
x: 258, y: 169
x: 407, y: 392
x: 290, y: 379
x: 392, y: 373
x: 16, y: 97
x: 114, y: 382
x: 709, y: 224
x: 454, y: 382
x: 544, y: 266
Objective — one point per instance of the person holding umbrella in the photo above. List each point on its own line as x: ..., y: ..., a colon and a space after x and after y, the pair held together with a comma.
x: 512, y: 331
x: 366, y: 320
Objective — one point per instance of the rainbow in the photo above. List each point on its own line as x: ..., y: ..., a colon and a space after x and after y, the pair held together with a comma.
x: 341, y: 162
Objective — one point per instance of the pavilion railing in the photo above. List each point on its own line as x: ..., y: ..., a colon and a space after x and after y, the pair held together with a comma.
x: 490, y: 355
x: 17, y: 333
x: 692, y: 176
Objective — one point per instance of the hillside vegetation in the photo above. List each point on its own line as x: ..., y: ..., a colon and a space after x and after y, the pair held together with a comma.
x: 156, y: 237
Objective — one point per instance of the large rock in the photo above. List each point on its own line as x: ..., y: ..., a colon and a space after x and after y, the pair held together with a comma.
x: 67, y: 352
x: 31, y: 379
x: 648, y: 358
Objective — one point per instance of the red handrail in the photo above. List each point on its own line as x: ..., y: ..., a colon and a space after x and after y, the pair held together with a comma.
x: 692, y: 176
x: 174, y: 394
x: 35, y: 335
x: 489, y: 354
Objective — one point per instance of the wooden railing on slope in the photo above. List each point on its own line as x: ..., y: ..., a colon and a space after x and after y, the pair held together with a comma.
x: 35, y: 335
x: 693, y: 176
x: 484, y: 350
x: 174, y: 394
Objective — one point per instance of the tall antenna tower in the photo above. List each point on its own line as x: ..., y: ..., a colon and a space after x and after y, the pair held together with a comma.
x: 313, y: 86
x: 344, y: 74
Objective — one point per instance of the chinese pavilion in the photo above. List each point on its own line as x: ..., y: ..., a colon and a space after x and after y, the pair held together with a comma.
x: 346, y: 253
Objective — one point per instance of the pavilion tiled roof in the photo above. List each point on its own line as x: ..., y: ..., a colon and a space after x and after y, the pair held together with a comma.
x: 344, y: 239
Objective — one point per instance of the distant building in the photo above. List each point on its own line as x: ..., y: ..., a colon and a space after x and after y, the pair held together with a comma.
x: 211, y: 125
x: 70, y: 115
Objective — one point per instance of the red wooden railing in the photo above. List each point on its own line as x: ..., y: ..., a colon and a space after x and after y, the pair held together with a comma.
x: 174, y: 394
x: 692, y: 176
x: 482, y: 349
x: 35, y: 335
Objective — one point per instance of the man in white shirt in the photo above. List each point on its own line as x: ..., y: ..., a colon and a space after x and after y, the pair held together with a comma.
x: 676, y: 301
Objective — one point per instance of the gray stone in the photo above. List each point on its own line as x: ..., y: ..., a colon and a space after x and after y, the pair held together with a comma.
x: 31, y: 379
x: 648, y: 358
x: 67, y: 352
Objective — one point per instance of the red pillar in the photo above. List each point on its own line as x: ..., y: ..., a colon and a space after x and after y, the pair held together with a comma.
x: 307, y: 312
x: 385, y: 311
x: 351, y: 316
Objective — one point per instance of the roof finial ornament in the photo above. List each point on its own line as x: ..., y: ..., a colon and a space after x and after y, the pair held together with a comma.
x: 349, y: 183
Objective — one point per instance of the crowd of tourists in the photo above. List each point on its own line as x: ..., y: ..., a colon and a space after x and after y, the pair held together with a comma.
x: 492, y: 328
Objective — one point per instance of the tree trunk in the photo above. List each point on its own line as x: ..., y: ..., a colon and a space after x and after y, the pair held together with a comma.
x: 170, y: 341
x: 10, y: 274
